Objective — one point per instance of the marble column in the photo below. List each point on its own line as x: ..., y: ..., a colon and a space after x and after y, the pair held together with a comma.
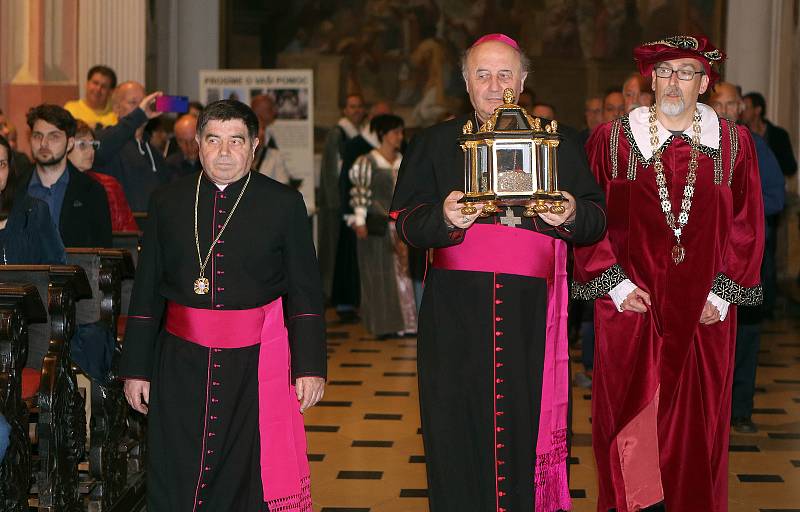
x: 38, y: 57
x: 112, y: 33
x: 763, y: 46
x: 187, y: 34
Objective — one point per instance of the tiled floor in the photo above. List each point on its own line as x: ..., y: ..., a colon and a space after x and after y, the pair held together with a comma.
x: 366, y: 448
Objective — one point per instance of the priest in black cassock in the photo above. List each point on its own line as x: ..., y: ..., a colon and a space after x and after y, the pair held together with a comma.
x: 225, y: 341
x: 492, y: 349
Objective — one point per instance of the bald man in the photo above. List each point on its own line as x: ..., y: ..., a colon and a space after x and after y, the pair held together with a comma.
x: 185, y: 162
x: 492, y: 346
x: 125, y: 152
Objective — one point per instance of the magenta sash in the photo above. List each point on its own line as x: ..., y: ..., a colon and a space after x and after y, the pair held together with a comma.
x: 506, y: 250
x: 284, y: 466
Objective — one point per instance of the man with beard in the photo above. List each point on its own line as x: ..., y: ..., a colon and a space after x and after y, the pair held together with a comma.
x: 78, y: 204
x: 667, y: 284
x: 209, y: 355
x: 493, y: 349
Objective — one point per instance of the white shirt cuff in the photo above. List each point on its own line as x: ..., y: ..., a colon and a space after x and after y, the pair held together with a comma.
x: 360, y: 216
x: 719, y: 303
x: 620, y: 292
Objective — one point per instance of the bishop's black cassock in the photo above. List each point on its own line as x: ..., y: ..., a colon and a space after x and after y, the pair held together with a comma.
x: 203, y: 429
x: 484, y: 335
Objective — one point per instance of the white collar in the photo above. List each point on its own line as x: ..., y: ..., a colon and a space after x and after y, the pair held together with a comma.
x: 349, y: 128
x: 639, y: 120
x: 370, y: 137
x: 381, y: 161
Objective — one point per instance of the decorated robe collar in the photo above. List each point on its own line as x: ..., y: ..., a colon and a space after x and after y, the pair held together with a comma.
x: 348, y: 127
x: 638, y: 127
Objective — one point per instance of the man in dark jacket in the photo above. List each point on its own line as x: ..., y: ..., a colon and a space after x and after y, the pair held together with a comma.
x: 77, y: 203
x: 754, y: 115
x: 125, y: 152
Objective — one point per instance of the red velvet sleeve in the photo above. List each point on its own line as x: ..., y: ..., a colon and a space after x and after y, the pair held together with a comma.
x: 596, y: 269
x: 738, y: 281
x: 121, y: 215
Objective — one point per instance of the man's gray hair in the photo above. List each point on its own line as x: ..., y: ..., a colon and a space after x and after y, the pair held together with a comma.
x: 524, y: 62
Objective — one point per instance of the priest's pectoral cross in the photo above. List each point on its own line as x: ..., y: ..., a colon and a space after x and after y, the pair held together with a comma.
x: 509, y: 219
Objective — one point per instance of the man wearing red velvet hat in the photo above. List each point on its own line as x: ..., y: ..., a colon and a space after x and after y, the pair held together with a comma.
x: 492, y: 345
x: 683, y: 248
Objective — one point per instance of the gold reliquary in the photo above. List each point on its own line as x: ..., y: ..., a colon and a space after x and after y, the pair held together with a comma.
x: 511, y: 160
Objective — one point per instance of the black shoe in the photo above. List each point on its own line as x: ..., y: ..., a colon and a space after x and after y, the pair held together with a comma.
x: 744, y: 426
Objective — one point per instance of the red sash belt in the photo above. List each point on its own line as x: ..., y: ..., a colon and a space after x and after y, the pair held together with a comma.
x: 500, y: 249
x: 284, y: 465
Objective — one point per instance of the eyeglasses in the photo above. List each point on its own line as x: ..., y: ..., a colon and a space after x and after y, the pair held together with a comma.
x: 83, y: 145
x: 683, y: 74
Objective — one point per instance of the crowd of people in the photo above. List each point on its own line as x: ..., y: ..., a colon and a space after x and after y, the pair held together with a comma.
x: 493, y: 374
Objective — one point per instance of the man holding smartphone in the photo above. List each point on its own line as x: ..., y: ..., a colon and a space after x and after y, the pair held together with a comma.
x: 125, y: 152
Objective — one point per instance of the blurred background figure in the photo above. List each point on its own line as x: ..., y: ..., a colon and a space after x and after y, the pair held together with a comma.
x: 727, y: 101
x: 82, y: 157
x: 186, y: 161
x: 346, y: 286
x: 27, y: 232
x: 636, y: 91
x: 754, y: 115
x: 9, y: 131
x: 592, y: 116
x: 544, y: 110
x: 268, y: 160
x: 387, y: 306
x: 125, y: 151
x: 613, y: 105
x: 329, y: 206
x: 95, y: 108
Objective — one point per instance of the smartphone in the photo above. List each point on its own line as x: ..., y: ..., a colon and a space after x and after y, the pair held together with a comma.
x: 179, y: 104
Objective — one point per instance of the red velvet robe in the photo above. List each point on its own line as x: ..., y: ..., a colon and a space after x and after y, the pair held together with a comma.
x: 662, y: 381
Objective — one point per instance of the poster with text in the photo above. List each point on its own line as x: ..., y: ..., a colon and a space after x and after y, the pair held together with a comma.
x: 291, y: 91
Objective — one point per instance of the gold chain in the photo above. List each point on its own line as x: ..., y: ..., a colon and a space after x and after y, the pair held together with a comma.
x: 691, y: 178
x: 204, y: 262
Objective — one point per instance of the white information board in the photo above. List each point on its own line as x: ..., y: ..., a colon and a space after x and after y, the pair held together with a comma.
x: 293, y: 93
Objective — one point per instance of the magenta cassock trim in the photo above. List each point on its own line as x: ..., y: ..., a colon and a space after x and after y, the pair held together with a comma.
x: 284, y: 465
x: 506, y: 250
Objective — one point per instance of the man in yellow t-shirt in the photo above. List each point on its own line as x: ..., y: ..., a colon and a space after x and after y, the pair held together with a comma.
x: 95, y: 109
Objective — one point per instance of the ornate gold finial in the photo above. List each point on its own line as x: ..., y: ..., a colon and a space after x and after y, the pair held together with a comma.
x: 537, y: 124
x: 468, y: 127
x: 554, y: 125
x: 508, y: 96
x: 548, y: 128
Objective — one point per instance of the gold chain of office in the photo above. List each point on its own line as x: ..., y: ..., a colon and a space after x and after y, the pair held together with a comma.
x: 678, y: 250
x: 201, y: 286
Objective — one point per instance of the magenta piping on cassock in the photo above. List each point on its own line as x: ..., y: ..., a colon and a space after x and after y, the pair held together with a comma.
x: 527, y: 253
x: 284, y: 465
